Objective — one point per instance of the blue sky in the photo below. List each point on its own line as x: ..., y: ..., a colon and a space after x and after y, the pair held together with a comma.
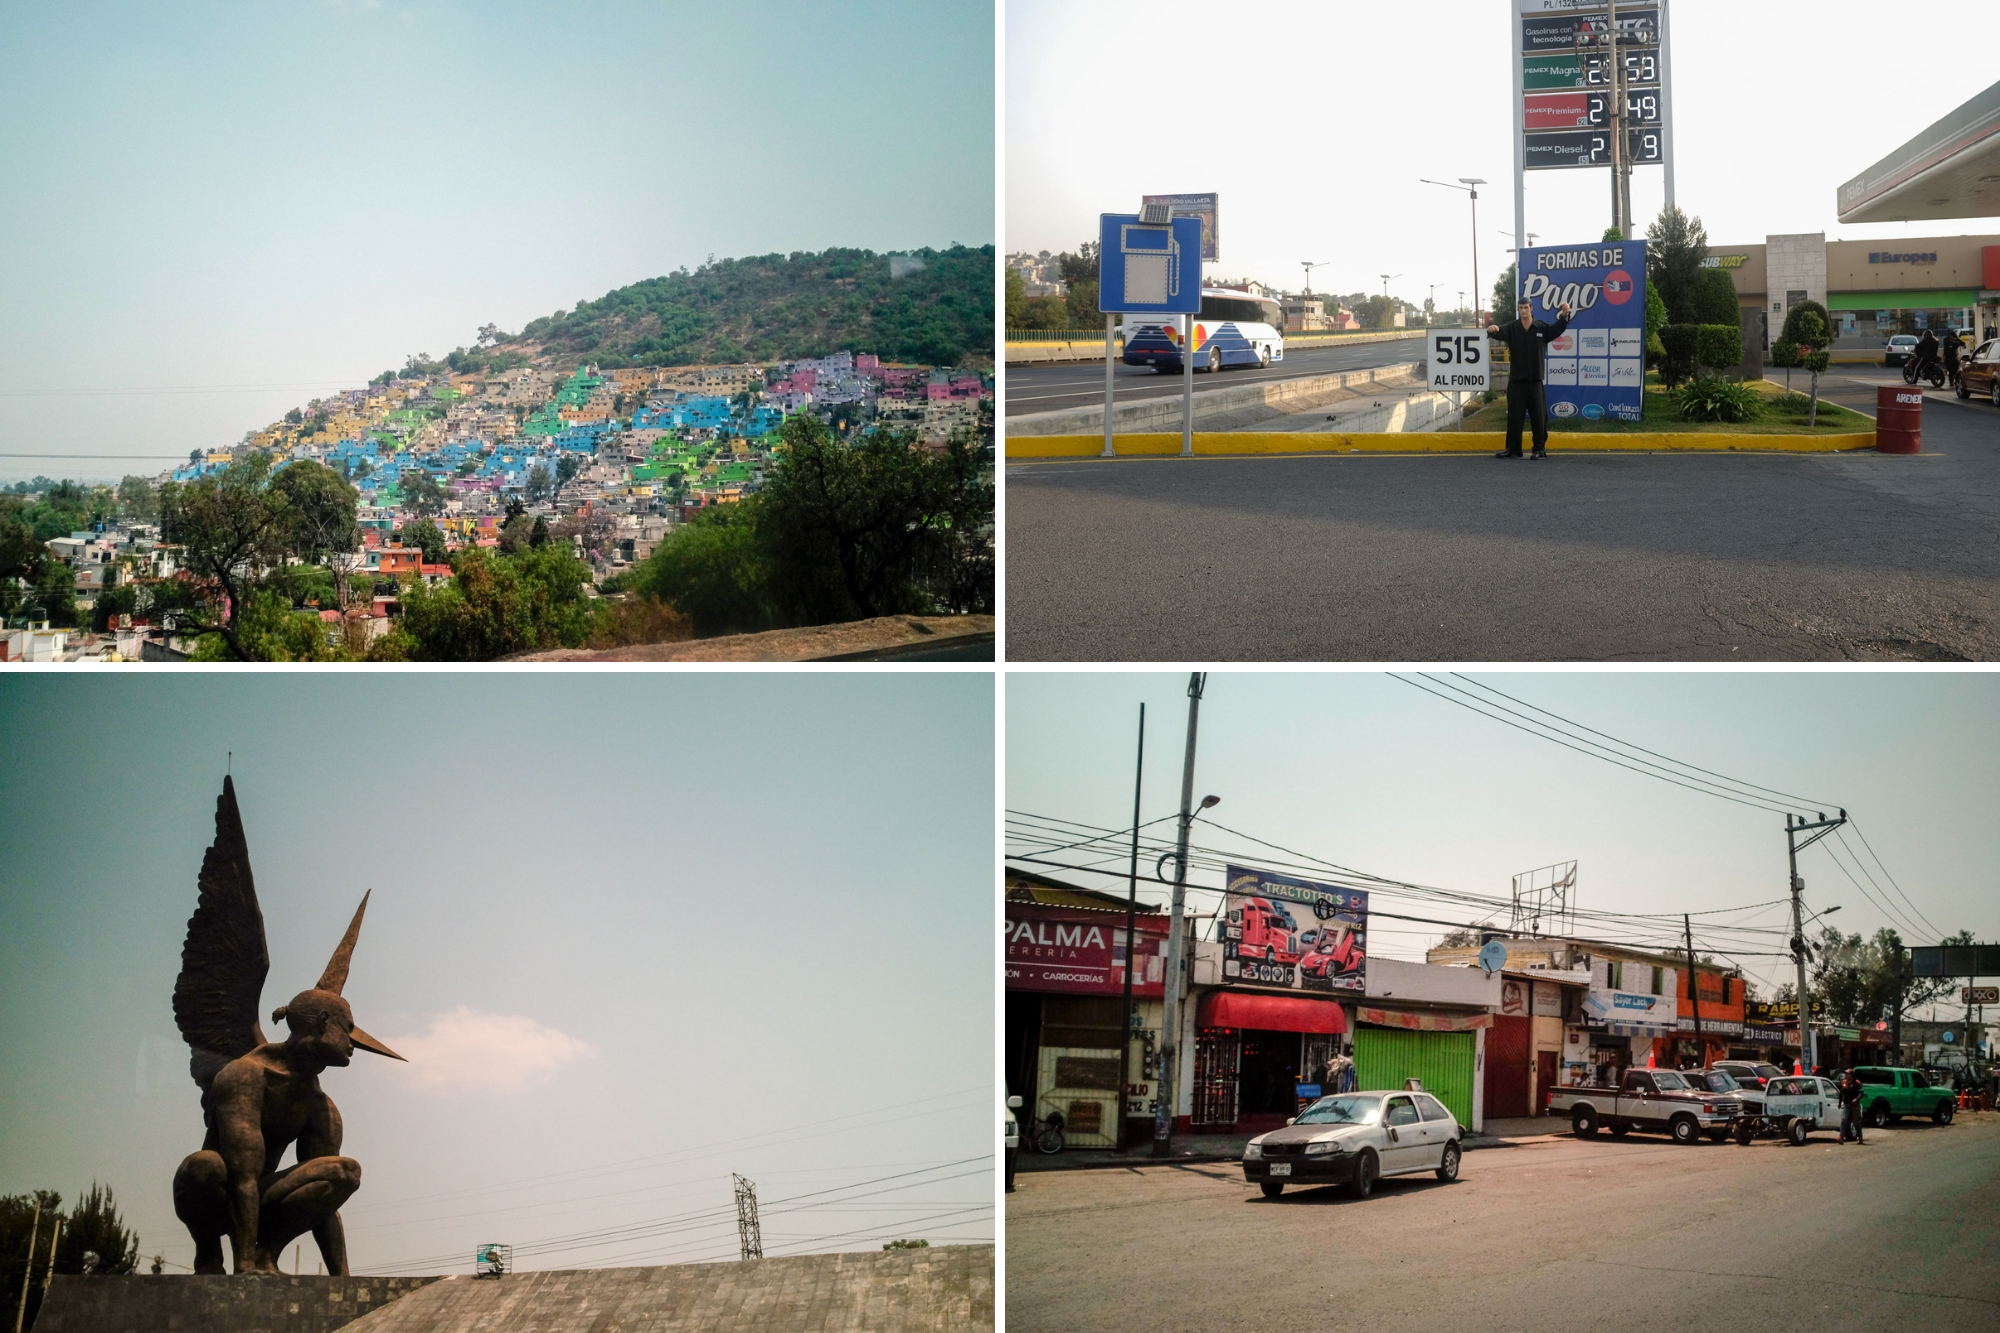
x: 634, y: 932
x: 235, y: 194
x: 1360, y: 769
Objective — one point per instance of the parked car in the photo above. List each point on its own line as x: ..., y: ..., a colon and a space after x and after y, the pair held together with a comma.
x: 1355, y: 1139
x: 1721, y: 1082
x: 1980, y: 372
x: 1887, y: 1095
x: 1658, y: 1101
x: 1798, y: 1104
x: 1010, y: 1129
x: 1899, y: 349
x: 1750, y: 1073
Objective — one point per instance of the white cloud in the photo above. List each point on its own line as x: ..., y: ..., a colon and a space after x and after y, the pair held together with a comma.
x: 465, y: 1049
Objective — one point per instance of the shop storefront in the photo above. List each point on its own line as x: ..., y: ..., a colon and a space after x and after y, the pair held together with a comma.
x: 1630, y: 1013
x: 1258, y: 1057
x: 1066, y: 1041
x: 1873, y: 289
x: 1440, y: 1050
x: 1722, y: 1003
x: 1767, y: 1043
x: 1526, y: 1046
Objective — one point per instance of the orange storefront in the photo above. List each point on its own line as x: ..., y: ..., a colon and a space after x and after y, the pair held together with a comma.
x: 1721, y: 997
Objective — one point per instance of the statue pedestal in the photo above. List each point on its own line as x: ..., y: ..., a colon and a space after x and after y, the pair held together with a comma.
x: 141, y: 1303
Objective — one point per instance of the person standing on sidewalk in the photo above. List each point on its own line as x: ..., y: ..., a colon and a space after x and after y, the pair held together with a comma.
x: 1525, y: 340
x: 1850, y: 1106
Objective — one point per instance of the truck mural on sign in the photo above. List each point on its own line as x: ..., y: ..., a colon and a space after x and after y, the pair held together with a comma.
x: 1294, y: 934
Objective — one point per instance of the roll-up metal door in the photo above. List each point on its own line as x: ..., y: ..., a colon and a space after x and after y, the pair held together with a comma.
x: 1385, y: 1057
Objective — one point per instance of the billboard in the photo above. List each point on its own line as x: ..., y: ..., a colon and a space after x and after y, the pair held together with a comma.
x: 1207, y: 207
x: 1293, y: 934
x: 1079, y: 951
x: 1567, y: 76
x: 1597, y: 368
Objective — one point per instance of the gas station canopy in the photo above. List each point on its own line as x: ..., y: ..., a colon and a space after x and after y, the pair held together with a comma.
x: 1950, y: 170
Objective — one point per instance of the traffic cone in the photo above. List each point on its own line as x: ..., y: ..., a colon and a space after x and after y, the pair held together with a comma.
x: 1649, y: 1059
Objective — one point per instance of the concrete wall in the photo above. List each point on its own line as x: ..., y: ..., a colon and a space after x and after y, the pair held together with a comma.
x: 946, y: 1289
x: 1422, y: 983
x: 246, y: 1304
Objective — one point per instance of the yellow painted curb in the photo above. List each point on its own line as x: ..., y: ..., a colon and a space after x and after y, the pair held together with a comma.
x: 1431, y: 442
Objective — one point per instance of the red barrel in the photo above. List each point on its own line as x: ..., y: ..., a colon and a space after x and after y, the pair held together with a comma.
x: 1899, y: 419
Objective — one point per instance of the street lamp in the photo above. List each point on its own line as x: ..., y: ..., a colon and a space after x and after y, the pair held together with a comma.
x: 1470, y: 184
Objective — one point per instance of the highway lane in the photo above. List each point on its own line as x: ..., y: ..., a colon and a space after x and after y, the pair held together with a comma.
x: 1638, y: 1234
x: 1050, y: 388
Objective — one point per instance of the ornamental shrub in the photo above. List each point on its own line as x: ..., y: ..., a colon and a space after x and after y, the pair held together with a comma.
x: 1718, y: 346
x: 1678, y: 342
x: 1712, y: 398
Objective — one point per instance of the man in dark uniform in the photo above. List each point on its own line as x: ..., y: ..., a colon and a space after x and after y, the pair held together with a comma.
x: 1525, y: 340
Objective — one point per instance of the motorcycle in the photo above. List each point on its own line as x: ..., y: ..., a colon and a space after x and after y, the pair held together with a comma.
x: 1930, y: 370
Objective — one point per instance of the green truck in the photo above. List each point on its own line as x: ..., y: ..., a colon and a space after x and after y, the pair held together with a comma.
x: 1887, y: 1095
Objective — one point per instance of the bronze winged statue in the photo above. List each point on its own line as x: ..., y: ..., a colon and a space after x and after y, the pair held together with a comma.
x: 259, y: 1098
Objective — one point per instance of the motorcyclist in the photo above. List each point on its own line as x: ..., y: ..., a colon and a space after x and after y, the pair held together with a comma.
x: 1927, y: 351
x: 1952, y: 349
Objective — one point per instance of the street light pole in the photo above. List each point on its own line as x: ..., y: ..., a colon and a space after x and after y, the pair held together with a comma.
x: 1808, y: 1045
x: 1170, y: 1020
x: 1470, y: 184
x: 1131, y: 910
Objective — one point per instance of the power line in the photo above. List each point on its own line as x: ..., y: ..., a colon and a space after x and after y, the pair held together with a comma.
x: 1855, y: 824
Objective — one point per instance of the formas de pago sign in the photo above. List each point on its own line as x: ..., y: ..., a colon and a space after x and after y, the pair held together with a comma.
x: 1597, y: 368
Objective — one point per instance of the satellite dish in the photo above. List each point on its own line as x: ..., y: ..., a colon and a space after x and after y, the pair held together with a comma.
x: 1493, y: 956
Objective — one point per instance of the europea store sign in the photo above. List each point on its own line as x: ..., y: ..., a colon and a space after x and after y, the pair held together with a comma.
x: 1081, y: 952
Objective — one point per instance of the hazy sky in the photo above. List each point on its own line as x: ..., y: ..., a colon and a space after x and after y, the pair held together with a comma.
x: 633, y: 932
x: 1317, y: 121
x: 297, y: 196
x: 1363, y: 770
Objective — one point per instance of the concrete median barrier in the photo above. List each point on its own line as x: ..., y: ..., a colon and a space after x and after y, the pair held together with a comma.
x: 1216, y: 443
x: 1237, y: 405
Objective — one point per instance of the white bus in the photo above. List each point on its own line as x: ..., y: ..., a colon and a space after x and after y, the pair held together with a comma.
x: 1234, y: 328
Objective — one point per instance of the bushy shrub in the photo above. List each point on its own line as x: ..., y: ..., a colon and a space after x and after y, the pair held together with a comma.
x: 1712, y: 398
x: 1718, y: 346
x: 1678, y: 363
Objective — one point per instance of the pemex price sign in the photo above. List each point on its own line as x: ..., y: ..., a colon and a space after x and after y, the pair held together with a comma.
x: 1458, y: 360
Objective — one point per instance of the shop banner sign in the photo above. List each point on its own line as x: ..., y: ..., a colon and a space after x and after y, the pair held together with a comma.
x: 1597, y: 368
x: 1630, y: 1009
x: 1293, y: 934
x: 1548, y: 1000
x: 1081, y: 952
x: 1712, y: 1027
x: 1399, y: 1018
x: 1776, y: 1036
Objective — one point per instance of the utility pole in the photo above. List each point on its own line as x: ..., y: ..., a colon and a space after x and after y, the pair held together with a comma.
x: 1896, y: 1018
x: 1808, y: 1046
x: 1131, y: 910
x: 1618, y: 164
x: 1170, y: 1023
x: 747, y: 1233
x: 28, y: 1269
x: 49, y: 1273
x: 1694, y: 993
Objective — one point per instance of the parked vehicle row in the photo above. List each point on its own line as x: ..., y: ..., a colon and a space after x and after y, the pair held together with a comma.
x: 1656, y: 1101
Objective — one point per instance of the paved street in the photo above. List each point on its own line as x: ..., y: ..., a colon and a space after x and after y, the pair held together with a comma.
x: 1366, y: 557
x: 1637, y: 1234
x: 1047, y: 388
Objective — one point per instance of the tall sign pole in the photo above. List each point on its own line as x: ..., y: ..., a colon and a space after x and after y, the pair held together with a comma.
x: 1520, y: 167
x: 1170, y: 1022
x: 1616, y: 64
x: 1110, y: 325
x: 1667, y: 104
x: 1187, y: 382
x: 1131, y: 910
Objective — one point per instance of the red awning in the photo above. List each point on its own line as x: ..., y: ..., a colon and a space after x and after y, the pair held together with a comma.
x: 1268, y: 1013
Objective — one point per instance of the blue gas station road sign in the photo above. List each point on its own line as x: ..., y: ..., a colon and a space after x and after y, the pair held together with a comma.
x: 1147, y: 269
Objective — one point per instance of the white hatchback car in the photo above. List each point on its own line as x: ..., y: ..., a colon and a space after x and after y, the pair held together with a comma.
x: 1798, y: 1104
x: 1354, y: 1139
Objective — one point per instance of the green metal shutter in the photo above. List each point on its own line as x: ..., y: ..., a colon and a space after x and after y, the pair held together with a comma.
x: 1384, y: 1057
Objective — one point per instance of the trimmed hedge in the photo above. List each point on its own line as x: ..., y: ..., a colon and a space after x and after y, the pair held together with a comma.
x: 1718, y: 346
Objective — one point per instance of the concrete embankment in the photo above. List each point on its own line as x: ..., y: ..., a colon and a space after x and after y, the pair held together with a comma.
x: 1218, y: 409
x: 1092, y: 349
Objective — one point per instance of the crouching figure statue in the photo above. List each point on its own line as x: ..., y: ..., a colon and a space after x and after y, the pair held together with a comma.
x: 259, y: 1098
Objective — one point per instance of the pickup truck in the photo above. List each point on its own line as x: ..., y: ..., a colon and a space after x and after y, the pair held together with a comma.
x: 1656, y: 1101
x: 1887, y: 1095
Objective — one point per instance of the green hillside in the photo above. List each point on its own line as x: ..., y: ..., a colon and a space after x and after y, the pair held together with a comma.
x: 782, y: 307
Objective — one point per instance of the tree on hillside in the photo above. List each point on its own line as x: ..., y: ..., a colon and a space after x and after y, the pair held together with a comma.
x: 230, y: 525
x: 321, y: 505
x: 423, y: 494
x: 496, y: 605
x: 22, y: 555
x: 538, y: 483
x: 429, y: 537
x: 1675, y: 246
x: 138, y: 500
x: 567, y: 468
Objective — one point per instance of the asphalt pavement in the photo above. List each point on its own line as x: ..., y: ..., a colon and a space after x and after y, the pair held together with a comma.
x: 1052, y: 387
x: 1582, y: 557
x: 1633, y: 1234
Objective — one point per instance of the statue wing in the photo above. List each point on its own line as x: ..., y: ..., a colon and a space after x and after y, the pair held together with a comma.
x: 224, y: 961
